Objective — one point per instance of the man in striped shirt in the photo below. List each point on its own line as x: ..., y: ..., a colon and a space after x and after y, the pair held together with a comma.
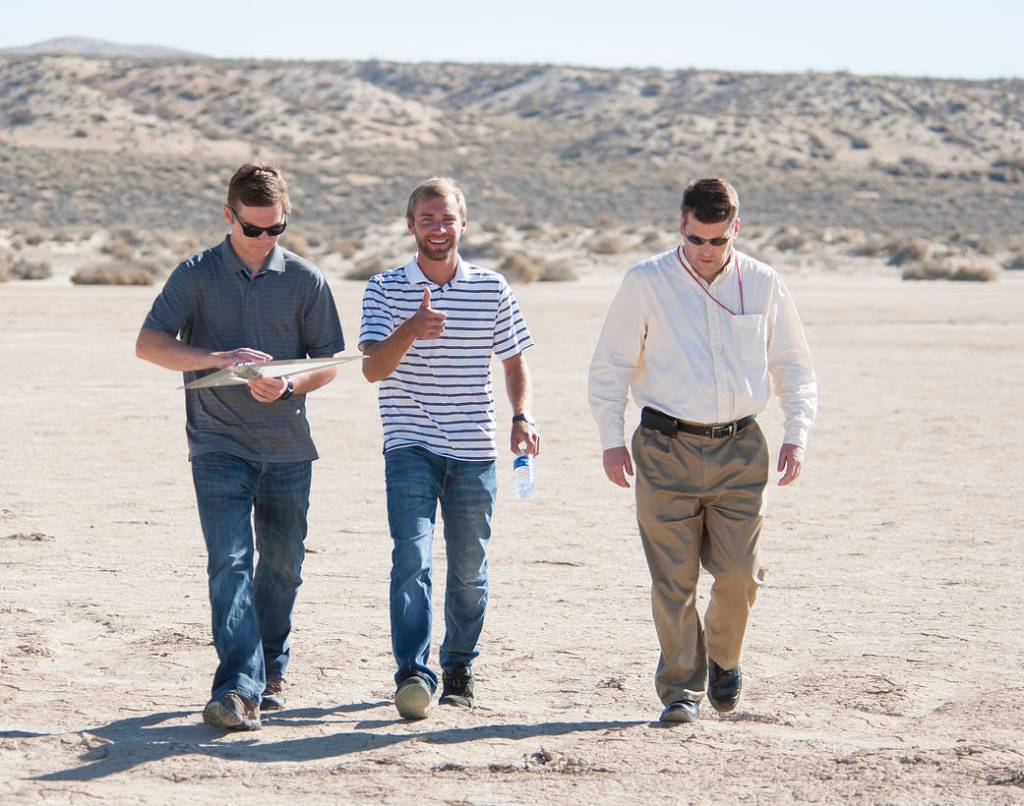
x: 428, y: 331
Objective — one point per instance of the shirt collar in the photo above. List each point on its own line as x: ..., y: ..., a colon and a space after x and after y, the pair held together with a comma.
x: 274, y: 261
x: 414, y: 274
x: 725, y: 272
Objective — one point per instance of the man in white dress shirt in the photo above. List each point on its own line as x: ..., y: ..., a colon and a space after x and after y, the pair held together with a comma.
x: 702, y: 335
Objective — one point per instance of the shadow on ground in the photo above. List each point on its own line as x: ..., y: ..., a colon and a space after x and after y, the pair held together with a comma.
x: 129, y: 743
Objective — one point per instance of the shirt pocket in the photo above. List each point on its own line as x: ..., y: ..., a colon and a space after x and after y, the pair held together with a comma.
x: 750, y: 338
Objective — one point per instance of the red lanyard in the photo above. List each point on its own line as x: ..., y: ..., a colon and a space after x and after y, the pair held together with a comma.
x: 697, y: 280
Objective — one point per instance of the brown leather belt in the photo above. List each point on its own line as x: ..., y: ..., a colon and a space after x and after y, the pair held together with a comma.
x: 670, y: 426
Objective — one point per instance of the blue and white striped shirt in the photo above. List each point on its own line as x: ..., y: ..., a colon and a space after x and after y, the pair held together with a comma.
x: 440, y: 395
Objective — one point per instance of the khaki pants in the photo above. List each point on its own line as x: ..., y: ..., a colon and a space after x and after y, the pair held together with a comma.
x: 699, y: 501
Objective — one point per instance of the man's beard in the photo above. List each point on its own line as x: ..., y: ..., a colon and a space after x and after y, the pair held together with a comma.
x: 432, y: 252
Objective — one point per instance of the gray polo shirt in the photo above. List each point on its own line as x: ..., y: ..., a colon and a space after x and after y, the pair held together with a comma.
x: 286, y: 310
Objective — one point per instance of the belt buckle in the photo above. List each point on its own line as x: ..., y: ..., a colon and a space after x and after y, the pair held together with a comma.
x: 724, y: 430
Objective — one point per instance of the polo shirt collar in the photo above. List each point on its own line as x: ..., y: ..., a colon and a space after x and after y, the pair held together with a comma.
x: 274, y: 261
x: 415, y: 276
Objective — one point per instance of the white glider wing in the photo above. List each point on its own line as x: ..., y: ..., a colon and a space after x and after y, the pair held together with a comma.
x: 243, y: 373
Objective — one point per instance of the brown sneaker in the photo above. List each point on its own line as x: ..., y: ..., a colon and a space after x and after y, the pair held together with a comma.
x: 232, y: 712
x: 273, y: 695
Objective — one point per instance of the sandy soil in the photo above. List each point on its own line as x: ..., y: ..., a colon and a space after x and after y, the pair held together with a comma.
x: 882, y: 662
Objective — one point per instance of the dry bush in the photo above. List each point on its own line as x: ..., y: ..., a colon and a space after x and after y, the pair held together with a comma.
x: 116, y: 273
x: 790, y: 240
x: 976, y: 272
x: 33, y: 235
x: 951, y: 269
x: 519, y: 268
x: 371, y: 265
x: 298, y: 243
x: 487, y: 253
x: 558, y: 271
x: 1015, y: 262
x: 347, y: 249
x: 22, y: 269
x: 656, y: 239
x: 872, y: 246
x: 607, y: 244
x: 118, y: 249
x: 903, y: 251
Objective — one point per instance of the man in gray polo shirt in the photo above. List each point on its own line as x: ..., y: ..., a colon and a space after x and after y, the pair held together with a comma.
x: 246, y: 300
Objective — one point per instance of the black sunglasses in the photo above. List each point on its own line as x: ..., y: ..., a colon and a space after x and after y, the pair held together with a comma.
x: 696, y: 240
x: 252, y: 231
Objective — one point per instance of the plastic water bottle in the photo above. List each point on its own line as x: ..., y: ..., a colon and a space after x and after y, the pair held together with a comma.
x: 522, y: 473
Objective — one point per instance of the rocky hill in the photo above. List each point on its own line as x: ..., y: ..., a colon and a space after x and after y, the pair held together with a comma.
x: 98, y: 141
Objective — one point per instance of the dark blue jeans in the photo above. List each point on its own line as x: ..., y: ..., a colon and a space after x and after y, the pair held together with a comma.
x: 252, y: 613
x: 416, y: 481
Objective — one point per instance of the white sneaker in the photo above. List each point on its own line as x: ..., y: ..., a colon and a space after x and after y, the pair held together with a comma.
x: 413, y: 697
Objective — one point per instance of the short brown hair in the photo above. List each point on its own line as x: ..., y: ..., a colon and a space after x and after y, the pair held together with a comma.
x: 710, y: 200
x: 258, y: 185
x: 437, y: 187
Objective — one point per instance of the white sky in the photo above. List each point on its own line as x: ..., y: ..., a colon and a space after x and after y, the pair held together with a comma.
x: 950, y: 38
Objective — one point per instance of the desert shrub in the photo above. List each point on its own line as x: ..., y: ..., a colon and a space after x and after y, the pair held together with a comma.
x: 872, y: 246
x: 789, y: 241
x: 908, y: 251
x: 118, y: 249
x: 486, y: 253
x: 519, y: 268
x: 607, y: 244
x: 22, y: 269
x: 298, y: 243
x: 33, y: 235
x: 367, y: 267
x: 950, y: 269
x: 558, y: 271
x: 118, y: 273
x: 976, y: 272
x: 132, y: 237
x: 347, y: 249
x: 656, y: 239
x: 1015, y: 262
x: 1007, y: 169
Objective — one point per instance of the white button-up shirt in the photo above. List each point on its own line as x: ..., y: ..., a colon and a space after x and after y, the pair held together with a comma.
x: 668, y: 341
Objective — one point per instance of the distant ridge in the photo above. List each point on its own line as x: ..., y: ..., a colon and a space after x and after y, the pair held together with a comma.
x: 84, y: 46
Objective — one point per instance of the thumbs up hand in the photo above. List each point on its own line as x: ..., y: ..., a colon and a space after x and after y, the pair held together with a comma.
x: 426, y: 323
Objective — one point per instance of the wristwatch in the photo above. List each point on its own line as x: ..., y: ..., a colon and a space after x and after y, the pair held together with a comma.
x: 289, y: 390
x: 523, y: 417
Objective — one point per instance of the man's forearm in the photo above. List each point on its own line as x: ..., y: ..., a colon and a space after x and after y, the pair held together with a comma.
x: 383, y: 356
x: 166, y: 351
x: 311, y: 381
x: 518, y: 384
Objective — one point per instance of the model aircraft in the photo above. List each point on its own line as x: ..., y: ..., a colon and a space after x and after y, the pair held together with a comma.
x: 243, y: 373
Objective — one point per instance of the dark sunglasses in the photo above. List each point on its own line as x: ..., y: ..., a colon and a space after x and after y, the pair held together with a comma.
x: 696, y: 240
x: 252, y: 231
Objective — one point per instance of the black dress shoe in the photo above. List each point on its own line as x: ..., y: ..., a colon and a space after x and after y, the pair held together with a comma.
x: 682, y: 710
x: 724, y: 687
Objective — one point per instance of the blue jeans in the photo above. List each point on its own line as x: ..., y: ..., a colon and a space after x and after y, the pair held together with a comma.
x: 252, y: 614
x: 416, y: 480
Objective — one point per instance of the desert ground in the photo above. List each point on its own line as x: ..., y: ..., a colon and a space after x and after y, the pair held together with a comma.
x: 883, y: 657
